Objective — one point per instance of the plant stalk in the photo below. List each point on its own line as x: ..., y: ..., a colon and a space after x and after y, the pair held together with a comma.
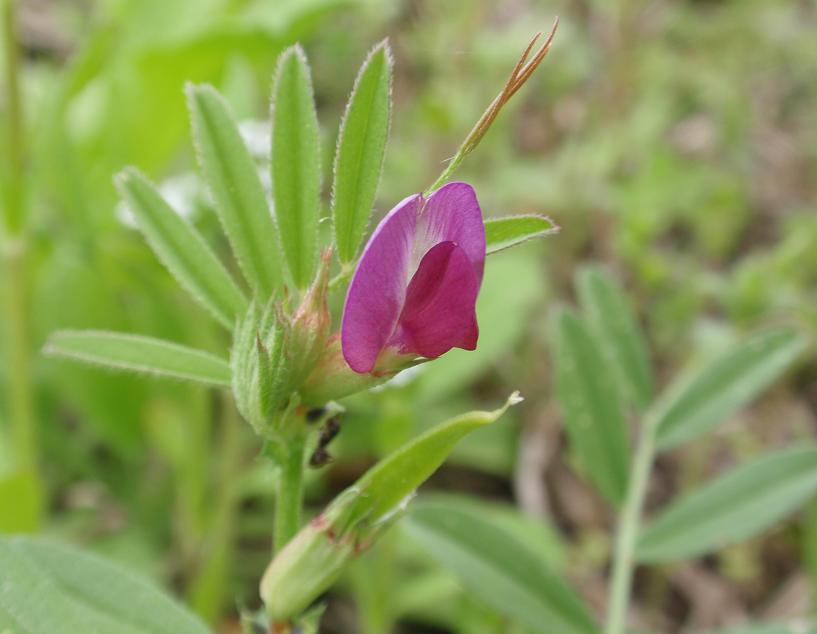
x: 627, y: 533
x: 15, y: 149
x: 289, y: 491
x: 209, y: 588
x: 19, y: 391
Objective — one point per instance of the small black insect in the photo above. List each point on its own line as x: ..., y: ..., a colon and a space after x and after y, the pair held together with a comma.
x: 330, y: 429
x: 315, y: 414
x: 321, y: 456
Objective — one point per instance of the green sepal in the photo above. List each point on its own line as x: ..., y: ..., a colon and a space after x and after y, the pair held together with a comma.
x: 261, y: 375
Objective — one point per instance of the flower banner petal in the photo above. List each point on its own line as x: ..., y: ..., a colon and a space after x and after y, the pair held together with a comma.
x: 377, y: 291
x: 452, y: 213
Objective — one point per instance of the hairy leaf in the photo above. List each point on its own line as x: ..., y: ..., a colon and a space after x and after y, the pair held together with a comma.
x: 617, y: 330
x: 181, y: 249
x: 233, y: 179
x: 735, y: 506
x: 591, y: 404
x: 360, y: 151
x: 48, y: 587
x: 507, y: 232
x: 498, y: 569
x: 135, y: 353
x: 697, y: 403
x: 296, y: 181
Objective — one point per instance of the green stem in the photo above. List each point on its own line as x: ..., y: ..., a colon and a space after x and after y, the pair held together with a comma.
x: 20, y: 401
x: 289, y: 492
x: 16, y: 319
x: 14, y: 122
x: 209, y: 589
x: 627, y: 534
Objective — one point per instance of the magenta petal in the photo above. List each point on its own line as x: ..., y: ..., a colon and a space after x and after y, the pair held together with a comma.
x: 440, y: 301
x: 377, y: 290
x: 452, y: 213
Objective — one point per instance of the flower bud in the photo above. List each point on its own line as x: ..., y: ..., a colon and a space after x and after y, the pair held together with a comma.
x: 314, y: 559
x: 310, y: 326
x: 261, y: 375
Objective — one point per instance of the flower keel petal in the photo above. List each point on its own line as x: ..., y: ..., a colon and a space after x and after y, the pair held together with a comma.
x: 439, y: 311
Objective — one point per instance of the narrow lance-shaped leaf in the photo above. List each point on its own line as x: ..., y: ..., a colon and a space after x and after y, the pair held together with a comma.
x: 399, y: 474
x: 591, y: 404
x: 316, y: 556
x: 617, y: 330
x: 233, y: 179
x: 736, y: 506
x: 507, y: 232
x: 793, y: 627
x: 48, y: 587
x: 296, y: 180
x: 360, y: 151
x: 699, y: 402
x: 498, y: 569
x: 181, y: 249
x: 139, y: 354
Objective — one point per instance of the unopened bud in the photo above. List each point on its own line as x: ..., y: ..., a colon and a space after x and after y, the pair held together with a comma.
x: 261, y: 376
x: 312, y: 561
x: 310, y: 325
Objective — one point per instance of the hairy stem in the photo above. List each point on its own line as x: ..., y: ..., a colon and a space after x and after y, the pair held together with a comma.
x: 289, y: 491
x: 627, y: 533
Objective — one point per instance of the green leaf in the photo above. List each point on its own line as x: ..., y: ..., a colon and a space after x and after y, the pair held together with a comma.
x: 733, y: 507
x: 233, y: 179
x: 616, y: 329
x: 139, y: 354
x: 397, y: 476
x: 590, y: 401
x: 360, y: 151
x: 498, y: 569
x: 795, y: 627
x: 296, y: 179
x: 507, y: 232
x: 52, y: 588
x: 696, y: 404
x: 181, y: 249
x: 21, y: 502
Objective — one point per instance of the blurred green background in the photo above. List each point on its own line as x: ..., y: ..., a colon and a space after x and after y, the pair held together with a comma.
x: 673, y: 141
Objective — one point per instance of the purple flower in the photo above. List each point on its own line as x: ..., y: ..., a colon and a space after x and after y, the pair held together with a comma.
x: 415, y: 288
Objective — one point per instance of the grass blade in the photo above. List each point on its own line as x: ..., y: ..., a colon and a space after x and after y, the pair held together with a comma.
x: 296, y: 180
x: 736, y: 506
x: 232, y: 177
x: 360, y: 151
x: 181, y: 249
x: 135, y: 353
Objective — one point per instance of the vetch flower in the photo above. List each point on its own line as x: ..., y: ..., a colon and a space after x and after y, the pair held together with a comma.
x: 415, y: 287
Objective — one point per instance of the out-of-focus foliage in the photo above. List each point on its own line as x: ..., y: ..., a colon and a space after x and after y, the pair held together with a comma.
x: 675, y: 141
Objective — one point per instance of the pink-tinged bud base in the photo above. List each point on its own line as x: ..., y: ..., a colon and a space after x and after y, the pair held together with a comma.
x: 415, y: 288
